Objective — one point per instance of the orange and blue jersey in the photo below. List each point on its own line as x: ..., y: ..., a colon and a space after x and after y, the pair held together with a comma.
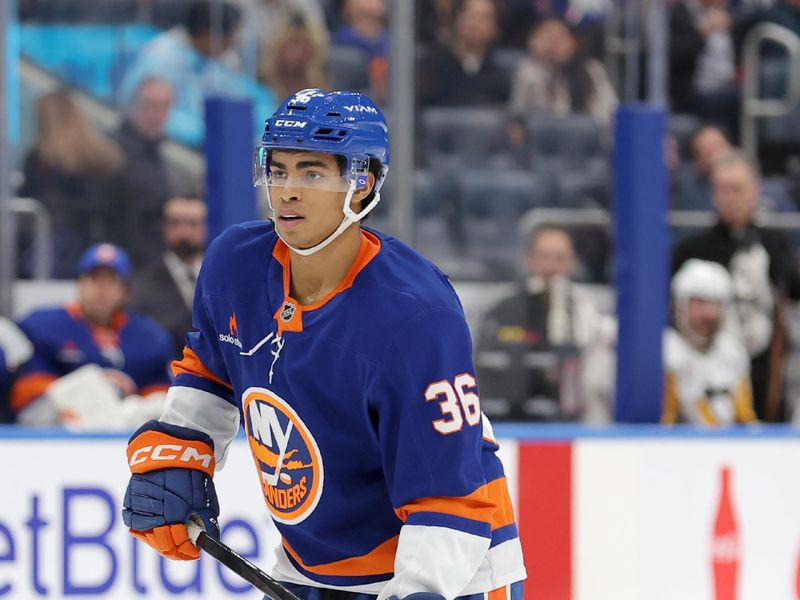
x: 64, y: 341
x: 361, y: 411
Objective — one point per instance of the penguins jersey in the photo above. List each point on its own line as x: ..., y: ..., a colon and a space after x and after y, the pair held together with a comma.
x: 361, y: 413
x: 707, y: 388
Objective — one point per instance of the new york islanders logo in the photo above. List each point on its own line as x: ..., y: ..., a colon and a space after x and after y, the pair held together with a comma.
x: 287, y: 457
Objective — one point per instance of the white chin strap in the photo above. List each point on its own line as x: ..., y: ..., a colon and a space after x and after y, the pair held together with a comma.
x: 349, y: 218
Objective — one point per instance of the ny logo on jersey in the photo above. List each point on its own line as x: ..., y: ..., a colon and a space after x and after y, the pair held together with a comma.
x: 286, y: 455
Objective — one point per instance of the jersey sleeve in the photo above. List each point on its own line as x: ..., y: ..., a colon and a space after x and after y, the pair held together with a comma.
x: 201, y: 395
x: 157, y: 378
x: 431, y: 436
x: 40, y: 371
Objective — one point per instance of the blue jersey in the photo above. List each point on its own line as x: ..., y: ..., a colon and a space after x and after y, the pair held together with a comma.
x: 361, y: 412
x: 63, y: 341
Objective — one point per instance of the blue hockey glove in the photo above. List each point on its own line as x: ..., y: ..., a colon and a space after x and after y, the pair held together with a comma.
x: 171, y: 482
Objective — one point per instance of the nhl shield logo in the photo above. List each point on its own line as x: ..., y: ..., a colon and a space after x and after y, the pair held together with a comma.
x: 287, y: 312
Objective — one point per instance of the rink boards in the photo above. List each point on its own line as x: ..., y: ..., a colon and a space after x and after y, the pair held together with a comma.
x: 617, y: 514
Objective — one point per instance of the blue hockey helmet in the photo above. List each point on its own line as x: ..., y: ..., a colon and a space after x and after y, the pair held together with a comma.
x: 343, y: 123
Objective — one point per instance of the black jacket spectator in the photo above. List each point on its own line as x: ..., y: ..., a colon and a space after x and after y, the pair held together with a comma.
x: 464, y: 73
x: 145, y: 186
x: 156, y: 294
x: 165, y: 290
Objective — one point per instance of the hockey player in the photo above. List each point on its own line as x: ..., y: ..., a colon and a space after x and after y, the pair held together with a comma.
x: 92, y: 353
x: 349, y: 358
x: 707, y: 368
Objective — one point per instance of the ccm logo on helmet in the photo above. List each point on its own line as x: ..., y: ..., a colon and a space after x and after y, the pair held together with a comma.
x: 290, y: 123
x: 170, y: 452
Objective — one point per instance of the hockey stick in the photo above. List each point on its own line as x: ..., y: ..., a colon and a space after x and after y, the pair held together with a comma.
x: 238, y: 564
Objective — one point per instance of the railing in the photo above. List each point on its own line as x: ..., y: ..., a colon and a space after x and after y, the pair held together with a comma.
x: 754, y: 107
x: 28, y: 208
x: 598, y: 217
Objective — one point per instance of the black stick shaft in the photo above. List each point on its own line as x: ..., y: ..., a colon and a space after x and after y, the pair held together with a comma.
x: 243, y: 567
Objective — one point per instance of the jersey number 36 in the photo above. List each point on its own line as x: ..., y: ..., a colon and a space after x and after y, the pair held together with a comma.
x: 456, y: 403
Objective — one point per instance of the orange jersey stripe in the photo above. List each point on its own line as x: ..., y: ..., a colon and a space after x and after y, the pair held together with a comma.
x: 154, y: 450
x: 490, y: 503
x: 377, y: 562
x: 156, y: 387
x: 499, y: 594
x: 369, y: 248
x: 29, y: 387
x: 191, y: 364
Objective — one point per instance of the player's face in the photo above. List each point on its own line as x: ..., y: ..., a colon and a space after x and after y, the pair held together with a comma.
x: 703, y: 316
x: 101, y: 292
x: 307, y: 193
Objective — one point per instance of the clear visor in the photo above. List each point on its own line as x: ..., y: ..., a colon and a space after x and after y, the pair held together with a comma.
x: 309, y: 177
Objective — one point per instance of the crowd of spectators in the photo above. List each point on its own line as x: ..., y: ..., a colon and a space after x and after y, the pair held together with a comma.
x: 537, y: 67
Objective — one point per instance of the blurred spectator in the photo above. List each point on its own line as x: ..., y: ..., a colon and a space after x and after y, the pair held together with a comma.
x: 15, y: 350
x: 464, y: 73
x: 364, y: 27
x: 72, y: 169
x: 295, y: 58
x: 262, y: 19
x: 544, y: 353
x: 198, y: 59
x: 556, y: 78
x: 707, y: 145
x: 165, y: 290
x: 702, y: 76
x: 518, y: 17
x: 762, y: 265
x: 90, y: 354
x: 145, y: 182
x: 434, y: 21
x: 707, y: 369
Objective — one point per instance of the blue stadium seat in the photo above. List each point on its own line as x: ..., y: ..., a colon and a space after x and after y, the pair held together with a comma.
x: 489, y: 204
x: 588, y: 187
x: 504, y: 194
x: 470, y: 136
x: 574, y: 139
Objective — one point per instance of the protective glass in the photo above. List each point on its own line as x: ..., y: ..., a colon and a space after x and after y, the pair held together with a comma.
x: 308, y: 178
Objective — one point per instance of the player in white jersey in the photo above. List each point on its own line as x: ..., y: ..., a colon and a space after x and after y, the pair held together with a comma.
x: 707, y: 368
